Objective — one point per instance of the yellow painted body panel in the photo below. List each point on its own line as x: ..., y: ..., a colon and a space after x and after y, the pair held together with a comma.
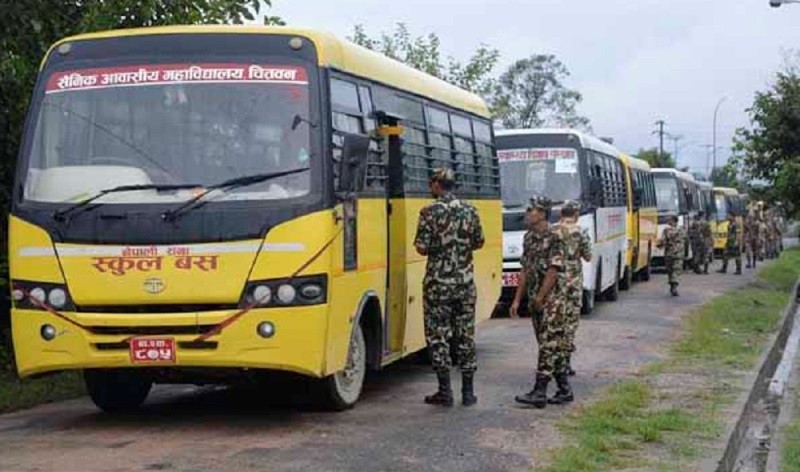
x: 42, y: 268
x: 334, y: 53
x: 642, y: 222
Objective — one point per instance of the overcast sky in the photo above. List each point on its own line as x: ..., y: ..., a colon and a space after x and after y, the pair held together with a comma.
x: 635, y: 61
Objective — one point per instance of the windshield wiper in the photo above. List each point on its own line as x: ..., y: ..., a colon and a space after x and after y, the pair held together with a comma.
x: 61, y: 215
x: 191, y: 204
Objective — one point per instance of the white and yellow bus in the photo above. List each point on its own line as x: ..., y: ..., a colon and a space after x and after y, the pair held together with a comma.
x: 565, y: 164
x: 203, y: 203
x: 726, y: 201
x: 642, y: 219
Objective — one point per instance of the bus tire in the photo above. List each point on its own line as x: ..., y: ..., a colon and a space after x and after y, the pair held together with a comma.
x: 116, y: 390
x: 627, y: 279
x: 587, y: 307
x: 341, y: 390
x: 612, y: 294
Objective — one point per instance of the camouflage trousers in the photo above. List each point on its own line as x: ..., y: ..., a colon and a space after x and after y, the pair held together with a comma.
x: 451, y: 323
x: 674, y: 267
x: 700, y: 254
x: 732, y: 252
x: 551, y: 326
x: 573, y: 313
x: 753, y: 249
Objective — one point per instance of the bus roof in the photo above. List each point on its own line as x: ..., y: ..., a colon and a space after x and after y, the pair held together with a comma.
x: 726, y: 190
x: 677, y: 173
x: 333, y: 53
x: 635, y: 162
x: 586, y: 140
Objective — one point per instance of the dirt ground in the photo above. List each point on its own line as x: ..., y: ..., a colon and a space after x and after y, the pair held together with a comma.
x: 214, y: 429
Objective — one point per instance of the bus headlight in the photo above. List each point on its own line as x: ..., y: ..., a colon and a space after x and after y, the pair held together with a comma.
x: 57, y: 297
x: 299, y: 291
x: 286, y: 294
x: 24, y: 294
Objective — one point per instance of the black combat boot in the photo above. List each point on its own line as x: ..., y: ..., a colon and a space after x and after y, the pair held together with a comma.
x: 468, y: 397
x: 564, y: 393
x: 724, y: 269
x: 570, y: 370
x: 738, y: 267
x: 538, y: 396
x: 443, y: 396
x: 673, y: 289
x: 705, y: 269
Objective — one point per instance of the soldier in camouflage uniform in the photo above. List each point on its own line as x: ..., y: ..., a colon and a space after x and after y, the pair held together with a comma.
x: 449, y: 230
x: 754, y: 232
x: 543, y: 278
x: 673, y: 240
x: 733, y: 246
x: 699, y: 232
x: 577, y: 248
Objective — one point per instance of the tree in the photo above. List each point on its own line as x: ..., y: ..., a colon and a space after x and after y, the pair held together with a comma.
x: 532, y: 94
x: 652, y: 158
x: 769, y: 149
x: 424, y: 53
x: 725, y: 176
x: 29, y: 27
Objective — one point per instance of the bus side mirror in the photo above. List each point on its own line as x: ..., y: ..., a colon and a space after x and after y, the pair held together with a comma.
x: 354, y: 157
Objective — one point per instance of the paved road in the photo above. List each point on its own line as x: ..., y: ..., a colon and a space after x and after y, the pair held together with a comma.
x: 190, y: 429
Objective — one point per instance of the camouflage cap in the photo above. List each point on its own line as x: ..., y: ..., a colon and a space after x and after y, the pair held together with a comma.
x: 572, y: 205
x: 443, y: 174
x: 539, y: 203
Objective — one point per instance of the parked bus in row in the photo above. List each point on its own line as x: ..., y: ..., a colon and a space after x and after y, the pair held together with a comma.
x: 565, y: 164
x: 201, y: 204
x: 676, y: 193
x: 642, y: 220
x: 726, y: 200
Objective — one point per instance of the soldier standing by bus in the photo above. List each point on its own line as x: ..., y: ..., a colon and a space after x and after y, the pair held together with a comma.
x: 698, y: 238
x: 752, y: 236
x: 542, y: 277
x: 449, y: 230
x: 673, y: 240
x: 733, y: 246
x: 577, y: 248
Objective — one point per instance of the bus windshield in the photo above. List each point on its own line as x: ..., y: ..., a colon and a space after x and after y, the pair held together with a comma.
x: 722, y: 206
x: 552, y: 173
x: 667, y: 194
x: 170, y: 124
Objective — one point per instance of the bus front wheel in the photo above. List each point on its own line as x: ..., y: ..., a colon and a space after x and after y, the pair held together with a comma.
x: 117, y: 390
x: 341, y: 390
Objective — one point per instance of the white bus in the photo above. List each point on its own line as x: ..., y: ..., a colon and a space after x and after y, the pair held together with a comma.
x: 679, y: 193
x: 565, y: 164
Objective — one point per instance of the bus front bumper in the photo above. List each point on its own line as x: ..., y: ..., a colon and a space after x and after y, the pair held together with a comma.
x: 102, y: 340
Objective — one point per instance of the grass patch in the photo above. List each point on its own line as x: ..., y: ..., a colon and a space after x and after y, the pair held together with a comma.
x: 637, y: 424
x: 16, y: 394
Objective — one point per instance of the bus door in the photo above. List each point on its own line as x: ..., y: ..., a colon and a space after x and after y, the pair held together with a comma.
x: 399, y: 249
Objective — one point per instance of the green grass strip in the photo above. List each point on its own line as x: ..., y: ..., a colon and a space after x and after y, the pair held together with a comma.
x: 630, y: 426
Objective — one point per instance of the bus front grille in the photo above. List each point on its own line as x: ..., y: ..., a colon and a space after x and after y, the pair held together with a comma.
x: 146, y: 309
x: 149, y: 330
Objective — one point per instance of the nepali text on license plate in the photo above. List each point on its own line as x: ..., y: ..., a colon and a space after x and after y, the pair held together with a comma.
x: 153, y: 350
x: 511, y: 279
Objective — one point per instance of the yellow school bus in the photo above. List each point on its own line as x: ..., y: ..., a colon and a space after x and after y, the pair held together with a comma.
x: 726, y: 200
x: 642, y: 219
x: 204, y: 204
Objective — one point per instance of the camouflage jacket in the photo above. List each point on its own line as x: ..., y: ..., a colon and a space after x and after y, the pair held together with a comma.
x: 448, y: 231
x: 540, y: 252
x: 674, y: 240
x: 577, y: 246
x: 700, y: 232
x: 732, y: 240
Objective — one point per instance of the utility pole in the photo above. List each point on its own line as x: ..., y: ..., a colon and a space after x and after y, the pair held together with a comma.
x: 714, y: 131
x: 660, y: 124
x: 675, y: 139
x: 708, y: 147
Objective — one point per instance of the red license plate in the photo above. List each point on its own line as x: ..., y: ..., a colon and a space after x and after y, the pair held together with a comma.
x: 511, y: 279
x: 153, y: 351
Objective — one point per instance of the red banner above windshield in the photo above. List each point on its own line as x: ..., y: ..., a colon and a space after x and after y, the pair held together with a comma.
x: 160, y: 74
